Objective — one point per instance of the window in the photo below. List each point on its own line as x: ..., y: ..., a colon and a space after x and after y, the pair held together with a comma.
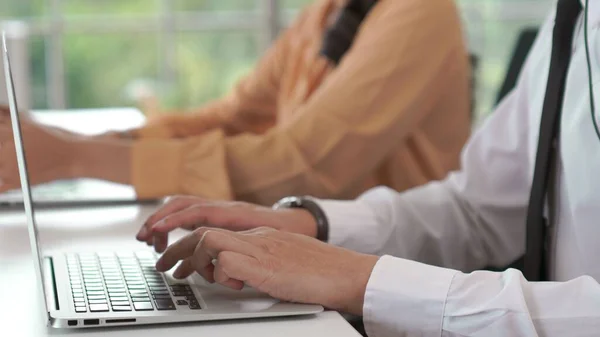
x: 90, y: 53
x: 492, y: 27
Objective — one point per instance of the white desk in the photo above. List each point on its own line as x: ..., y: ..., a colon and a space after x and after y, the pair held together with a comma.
x: 99, y: 229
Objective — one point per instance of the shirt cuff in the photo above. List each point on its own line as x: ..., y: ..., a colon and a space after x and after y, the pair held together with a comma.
x: 155, y: 129
x: 156, y: 166
x: 195, y: 166
x: 352, y: 224
x: 404, y: 297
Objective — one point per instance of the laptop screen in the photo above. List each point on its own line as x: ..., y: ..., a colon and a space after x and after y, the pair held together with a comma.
x: 22, y: 164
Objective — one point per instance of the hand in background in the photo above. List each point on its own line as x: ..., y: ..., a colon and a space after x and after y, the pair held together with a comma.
x: 192, y: 212
x: 49, y: 153
x: 285, y: 265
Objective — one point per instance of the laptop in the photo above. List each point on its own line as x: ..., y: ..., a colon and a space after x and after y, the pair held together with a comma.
x: 98, y: 289
x: 81, y: 192
x: 75, y: 193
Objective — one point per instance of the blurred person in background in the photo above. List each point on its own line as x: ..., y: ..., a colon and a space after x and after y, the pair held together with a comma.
x: 354, y: 94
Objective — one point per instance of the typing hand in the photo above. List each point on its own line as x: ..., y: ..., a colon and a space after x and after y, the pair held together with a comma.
x: 287, y: 266
x: 192, y: 212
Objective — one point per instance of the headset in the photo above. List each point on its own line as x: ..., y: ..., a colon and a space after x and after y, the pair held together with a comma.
x: 340, y: 36
x: 589, y: 68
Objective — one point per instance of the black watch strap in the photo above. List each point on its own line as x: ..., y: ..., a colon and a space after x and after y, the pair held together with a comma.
x: 308, y: 204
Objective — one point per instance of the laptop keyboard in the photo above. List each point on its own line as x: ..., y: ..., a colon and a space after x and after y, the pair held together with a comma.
x: 121, y: 282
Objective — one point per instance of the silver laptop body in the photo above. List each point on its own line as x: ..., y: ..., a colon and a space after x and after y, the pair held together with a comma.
x: 92, y: 289
x: 75, y: 193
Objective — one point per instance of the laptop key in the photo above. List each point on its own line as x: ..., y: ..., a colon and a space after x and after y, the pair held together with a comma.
x: 182, y: 293
x: 90, y: 281
x: 80, y: 309
x: 98, y: 307
x: 97, y: 301
x: 164, y: 304
x: 117, y: 293
x: 160, y: 293
x: 94, y: 288
x: 159, y: 288
x: 156, y: 284
x: 114, y: 283
x: 91, y: 274
x: 162, y: 296
x: 121, y: 308
x: 96, y: 297
x: 135, y: 282
x: 118, y: 303
x: 140, y: 299
x: 116, y: 289
x: 119, y: 298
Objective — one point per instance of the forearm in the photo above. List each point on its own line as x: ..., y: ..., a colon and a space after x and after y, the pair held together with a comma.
x: 103, y: 159
x: 183, y: 124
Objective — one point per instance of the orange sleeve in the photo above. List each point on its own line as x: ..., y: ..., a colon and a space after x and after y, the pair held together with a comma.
x: 250, y: 107
x: 404, y: 56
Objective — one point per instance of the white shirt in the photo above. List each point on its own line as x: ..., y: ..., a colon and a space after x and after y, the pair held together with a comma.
x: 476, y: 217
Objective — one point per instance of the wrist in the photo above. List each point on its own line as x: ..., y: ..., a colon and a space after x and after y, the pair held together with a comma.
x: 73, y: 168
x: 103, y: 159
x: 358, y: 274
x: 297, y: 220
x: 309, y: 205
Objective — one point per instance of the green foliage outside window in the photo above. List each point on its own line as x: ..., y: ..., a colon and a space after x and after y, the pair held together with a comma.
x: 104, y: 69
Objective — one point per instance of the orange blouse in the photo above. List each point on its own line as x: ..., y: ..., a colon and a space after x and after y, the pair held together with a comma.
x: 394, y: 112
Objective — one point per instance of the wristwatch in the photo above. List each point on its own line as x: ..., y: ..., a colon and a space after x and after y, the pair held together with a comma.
x: 308, y: 204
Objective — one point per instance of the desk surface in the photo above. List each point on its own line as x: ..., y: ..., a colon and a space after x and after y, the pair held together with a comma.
x: 112, y: 228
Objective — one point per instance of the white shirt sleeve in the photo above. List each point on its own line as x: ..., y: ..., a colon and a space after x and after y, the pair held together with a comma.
x: 476, y: 217
x: 406, y: 298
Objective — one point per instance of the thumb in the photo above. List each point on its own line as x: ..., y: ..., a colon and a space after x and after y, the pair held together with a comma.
x: 234, y: 269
